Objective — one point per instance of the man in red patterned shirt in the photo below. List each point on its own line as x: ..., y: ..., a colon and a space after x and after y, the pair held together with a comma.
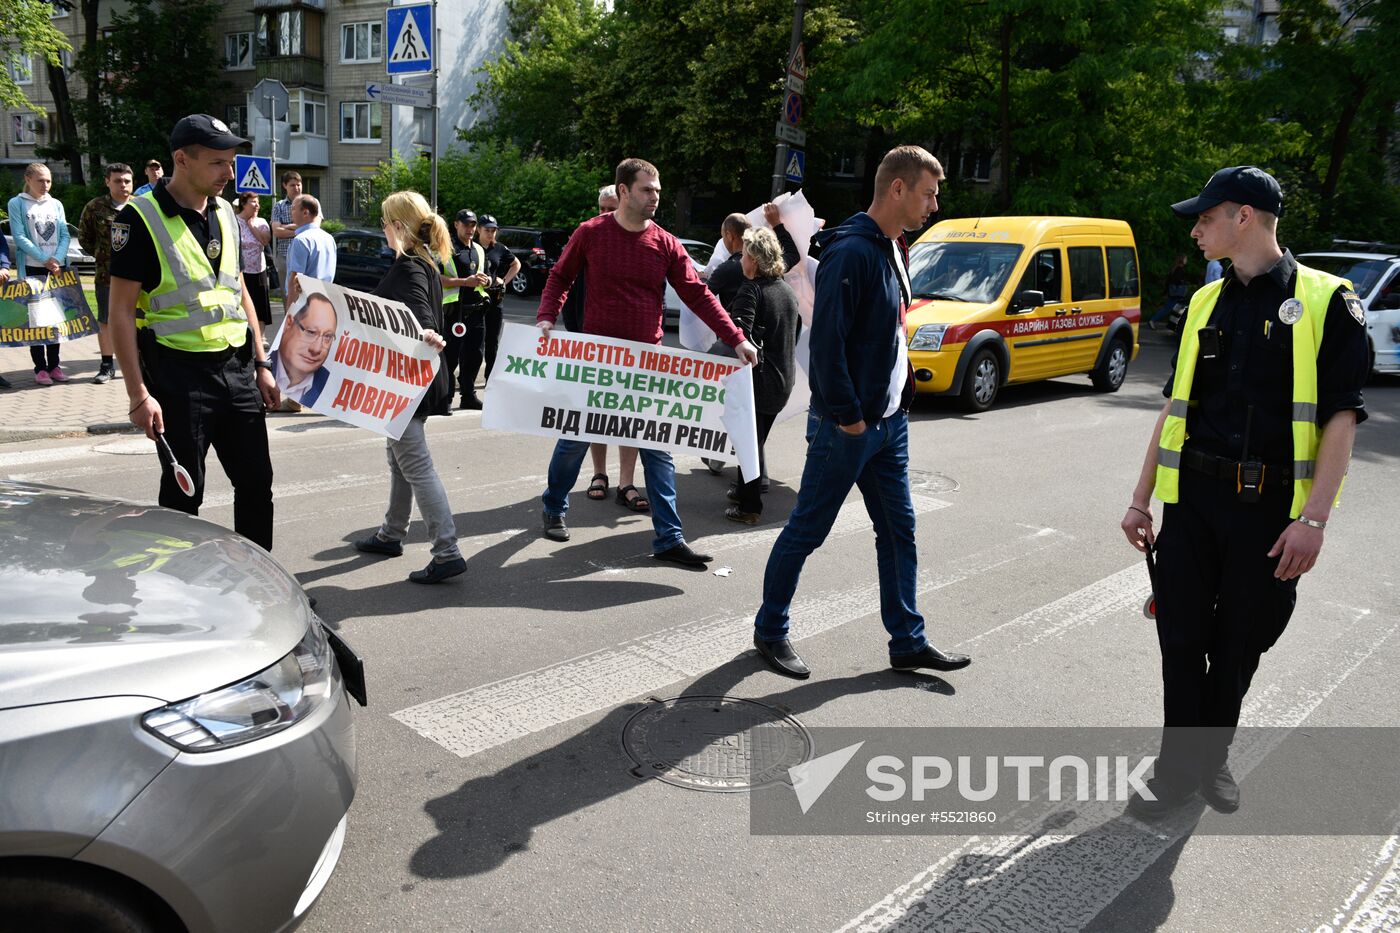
x: 630, y: 259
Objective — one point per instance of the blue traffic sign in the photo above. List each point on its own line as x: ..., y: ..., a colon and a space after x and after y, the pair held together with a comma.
x: 409, y: 32
x: 796, y: 166
x: 252, y: 174
x: 792, y: 109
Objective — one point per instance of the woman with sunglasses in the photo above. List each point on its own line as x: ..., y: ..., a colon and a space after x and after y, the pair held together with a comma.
x: 420, y: 243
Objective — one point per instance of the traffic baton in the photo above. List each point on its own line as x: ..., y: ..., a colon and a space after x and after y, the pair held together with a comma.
x: 1149, y: 608
x: 182, y: 475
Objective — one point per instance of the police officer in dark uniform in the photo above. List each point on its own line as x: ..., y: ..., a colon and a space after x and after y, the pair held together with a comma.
x: 185, y: 331
x: 1248, y: 456
x: 484, y: 326
x: 464, y: 298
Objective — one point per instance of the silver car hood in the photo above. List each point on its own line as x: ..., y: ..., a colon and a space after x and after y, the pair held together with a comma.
x: 107, y: 598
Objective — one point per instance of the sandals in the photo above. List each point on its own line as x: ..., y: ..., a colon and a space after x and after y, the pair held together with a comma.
x: 598, y: 487
x: 636, y: 502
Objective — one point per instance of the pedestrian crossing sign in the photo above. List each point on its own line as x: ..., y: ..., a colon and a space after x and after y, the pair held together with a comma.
x: 796, y: 166
x: 410, y: 39
x: 252, y: 174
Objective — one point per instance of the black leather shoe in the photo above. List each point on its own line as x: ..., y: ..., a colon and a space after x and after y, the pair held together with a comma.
x: 439, y: 570
x: 554, y: 527
x: 732, y: 493
x: 470, y: 403
x: 930, y: 657
x: 1170, y: 798
x: 780, y: 656
x: 377, y: 545
x: 683, y: 555
x: 1221, y: 791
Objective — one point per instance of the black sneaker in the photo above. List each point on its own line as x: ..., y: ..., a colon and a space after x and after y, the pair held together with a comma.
x: 439, y: 570
x: 470, y: 403
x: 104, y: 375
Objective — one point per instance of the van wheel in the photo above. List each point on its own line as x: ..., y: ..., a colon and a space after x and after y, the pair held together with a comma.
x: 1114, y: 369
x: 982, y: 381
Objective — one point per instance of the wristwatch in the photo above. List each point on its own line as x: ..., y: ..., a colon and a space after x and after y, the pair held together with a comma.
x: 1310, y: 523
x: 263, y: 364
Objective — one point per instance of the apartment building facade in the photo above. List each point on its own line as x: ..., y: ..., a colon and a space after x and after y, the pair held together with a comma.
x: 325, y: 52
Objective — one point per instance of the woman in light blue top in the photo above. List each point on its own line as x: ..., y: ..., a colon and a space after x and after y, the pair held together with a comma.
x: 40, y: 230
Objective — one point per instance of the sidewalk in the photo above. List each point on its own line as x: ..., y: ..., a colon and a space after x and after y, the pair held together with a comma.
x: 29, y: 410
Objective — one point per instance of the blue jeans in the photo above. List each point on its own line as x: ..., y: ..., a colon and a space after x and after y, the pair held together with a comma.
x: 878, y: 462
x: 660, y: 475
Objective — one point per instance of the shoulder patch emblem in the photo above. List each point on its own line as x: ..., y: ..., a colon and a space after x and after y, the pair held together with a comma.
x: 1355, y: 307
x: 121, y: 233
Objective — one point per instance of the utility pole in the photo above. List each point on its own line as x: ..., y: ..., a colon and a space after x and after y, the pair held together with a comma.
x: 437, y: 53
x: 793, y: 85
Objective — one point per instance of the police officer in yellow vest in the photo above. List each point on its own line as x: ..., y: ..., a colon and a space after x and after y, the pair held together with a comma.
x: 1248, y: 456
x: 186, y: 334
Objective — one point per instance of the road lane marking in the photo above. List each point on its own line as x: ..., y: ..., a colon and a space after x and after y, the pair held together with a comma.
x: 1374, y: 904
x: 1058, y: 880
x: 484, y: 717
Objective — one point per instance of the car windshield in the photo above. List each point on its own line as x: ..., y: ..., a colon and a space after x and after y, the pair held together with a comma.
x: 961, y: 271
x: 1362, y: 273
x: 700, y: 252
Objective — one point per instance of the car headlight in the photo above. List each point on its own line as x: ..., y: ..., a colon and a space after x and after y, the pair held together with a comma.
x: 266, y: 703
x: 928, y: 337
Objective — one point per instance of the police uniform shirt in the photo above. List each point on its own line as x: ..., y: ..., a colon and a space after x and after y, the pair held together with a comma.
x: 465, y: 260
x: 1254, y: 367
x: 136, y: 258
x: 498, y: 260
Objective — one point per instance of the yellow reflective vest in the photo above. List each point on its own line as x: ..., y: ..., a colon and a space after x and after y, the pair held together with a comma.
x: 198, y: 304
x: 1314, y: 289
x: 450, y: 270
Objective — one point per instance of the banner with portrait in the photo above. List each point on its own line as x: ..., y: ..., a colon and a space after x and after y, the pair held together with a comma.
x: 588, y: 388
x: 44, y: 309
x: 353, y: 356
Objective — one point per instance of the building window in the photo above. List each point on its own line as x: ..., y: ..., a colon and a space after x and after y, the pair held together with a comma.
x: 360, y: 42
x: 356, y: 196
x: 288, y: 33
x: 238, y: 51
x: 845, y: 165
x: 21, y: 130
x: 22, y: 68
x: 236, y: 116
x: 977, y: 164
x: 58, y: 12
x: 359, y: 123
x: 306, y: 112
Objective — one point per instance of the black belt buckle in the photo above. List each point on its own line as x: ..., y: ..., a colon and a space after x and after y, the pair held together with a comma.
x: 1249, y: 480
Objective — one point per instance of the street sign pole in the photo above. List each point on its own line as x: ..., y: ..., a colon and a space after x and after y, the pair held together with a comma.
x: 272, y: 135
x: 437, y: 44
x: 781, y: 157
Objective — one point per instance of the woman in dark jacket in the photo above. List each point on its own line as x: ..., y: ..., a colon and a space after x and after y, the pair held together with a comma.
x: 420, y: 241
x: 766, y: 310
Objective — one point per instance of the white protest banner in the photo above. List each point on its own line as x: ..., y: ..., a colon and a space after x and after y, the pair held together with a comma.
x: 599, y: 389
x: 356, y: 357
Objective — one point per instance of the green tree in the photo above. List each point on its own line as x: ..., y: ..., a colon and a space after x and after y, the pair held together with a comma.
x: 146, y: 86
x: 27, y: 31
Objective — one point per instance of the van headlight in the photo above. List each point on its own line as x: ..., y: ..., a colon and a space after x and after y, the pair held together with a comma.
x: 928, y: 337
x: 266, y: 703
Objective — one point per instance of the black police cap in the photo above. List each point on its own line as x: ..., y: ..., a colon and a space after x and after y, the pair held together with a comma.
x: 466, y: 217
x: 1242, y: 184
x: 488, y: 221
x: 200, y: 129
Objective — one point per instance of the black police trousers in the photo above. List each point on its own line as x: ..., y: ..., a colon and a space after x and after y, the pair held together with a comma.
x: 213, y: 399
x: 1219, y: 608
x: 483, y: 337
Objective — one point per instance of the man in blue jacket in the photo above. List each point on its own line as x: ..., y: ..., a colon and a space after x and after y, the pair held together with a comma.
x: 858, y: 426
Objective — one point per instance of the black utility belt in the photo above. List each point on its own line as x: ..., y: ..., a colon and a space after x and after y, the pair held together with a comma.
x: 1246, y: 474
x: 213, y: 359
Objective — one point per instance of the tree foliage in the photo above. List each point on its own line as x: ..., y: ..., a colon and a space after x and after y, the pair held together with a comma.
x: 26, y: 29
x: 151, y: 69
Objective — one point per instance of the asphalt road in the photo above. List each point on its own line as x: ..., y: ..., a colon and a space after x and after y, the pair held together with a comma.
x: 495, y: 793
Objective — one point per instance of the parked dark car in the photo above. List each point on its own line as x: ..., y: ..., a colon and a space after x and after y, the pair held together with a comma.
x: 361, y: 258
x: 538, y: 250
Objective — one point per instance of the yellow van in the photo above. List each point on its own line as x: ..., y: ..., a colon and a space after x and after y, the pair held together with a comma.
x: 1001, y: 300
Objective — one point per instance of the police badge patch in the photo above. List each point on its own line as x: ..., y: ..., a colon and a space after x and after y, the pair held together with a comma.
x: 120, y: 234
x: 1291, y: 311
x: 1354, y: 306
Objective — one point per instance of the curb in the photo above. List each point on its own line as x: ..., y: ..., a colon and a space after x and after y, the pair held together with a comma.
x: 38, y: 432
x: 113, y: 427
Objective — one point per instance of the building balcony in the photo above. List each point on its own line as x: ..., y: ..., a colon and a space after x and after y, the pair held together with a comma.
x: 294, y: 70
x: 310, y: 150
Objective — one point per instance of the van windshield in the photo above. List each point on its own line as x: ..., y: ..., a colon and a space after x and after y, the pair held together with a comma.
x: 1362, y: 273
x: 961, y: 271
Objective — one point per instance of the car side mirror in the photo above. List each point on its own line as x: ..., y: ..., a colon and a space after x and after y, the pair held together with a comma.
x: 1028, y: 300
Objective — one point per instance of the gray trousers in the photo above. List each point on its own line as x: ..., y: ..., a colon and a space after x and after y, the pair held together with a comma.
x: 411, y: 474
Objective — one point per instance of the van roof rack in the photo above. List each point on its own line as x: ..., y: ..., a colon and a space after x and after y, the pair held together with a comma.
x: 1372, y: 246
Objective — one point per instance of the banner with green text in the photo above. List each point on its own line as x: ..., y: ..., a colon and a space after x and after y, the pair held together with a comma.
x: 584, y: 387
x: 44, y: 309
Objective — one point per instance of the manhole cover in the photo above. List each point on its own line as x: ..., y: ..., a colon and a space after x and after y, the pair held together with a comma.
x: 928, y: 481
x: 723, y: 744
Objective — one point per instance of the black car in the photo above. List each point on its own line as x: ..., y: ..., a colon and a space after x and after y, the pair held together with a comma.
x: 361, y: 258
x: 537, y: 249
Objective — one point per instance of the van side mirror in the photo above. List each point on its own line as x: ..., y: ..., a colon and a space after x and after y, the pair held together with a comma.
x: 1027, y: 300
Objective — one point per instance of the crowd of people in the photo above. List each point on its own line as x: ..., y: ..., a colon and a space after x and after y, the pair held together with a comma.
x: 1247, y: 455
